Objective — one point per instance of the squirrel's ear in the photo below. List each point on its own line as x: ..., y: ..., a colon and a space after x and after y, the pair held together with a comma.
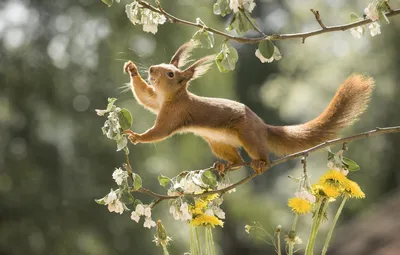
x: 199, y: 67
x: 182, y: 55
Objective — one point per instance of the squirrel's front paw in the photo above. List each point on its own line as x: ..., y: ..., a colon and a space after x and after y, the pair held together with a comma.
x: 132, y: 136
x: 130, y: 67
x: 259, y: 166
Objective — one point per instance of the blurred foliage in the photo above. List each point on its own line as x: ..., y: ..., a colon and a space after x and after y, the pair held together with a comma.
x: 60, y: 60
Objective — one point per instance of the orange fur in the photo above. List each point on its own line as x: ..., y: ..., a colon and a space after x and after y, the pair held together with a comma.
x: 227, y: 125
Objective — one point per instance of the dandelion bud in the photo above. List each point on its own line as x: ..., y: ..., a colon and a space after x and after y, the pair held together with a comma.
x: 161, y: 233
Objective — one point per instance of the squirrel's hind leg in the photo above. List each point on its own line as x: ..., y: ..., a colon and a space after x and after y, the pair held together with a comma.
x: 256, y: 147
x: 226, y: 152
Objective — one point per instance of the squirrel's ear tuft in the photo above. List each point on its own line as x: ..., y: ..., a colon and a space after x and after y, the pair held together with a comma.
x: 199, y: 67
x: 182, y: 55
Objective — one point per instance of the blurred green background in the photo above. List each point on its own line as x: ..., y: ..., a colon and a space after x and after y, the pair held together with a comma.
x: 60, y: 60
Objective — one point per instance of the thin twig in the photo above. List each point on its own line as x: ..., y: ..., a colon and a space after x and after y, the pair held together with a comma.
x: 251, y: 21
x: 304, y: 162
x: 318, y: 18
x: 345, y: 140
x: 239, y: 39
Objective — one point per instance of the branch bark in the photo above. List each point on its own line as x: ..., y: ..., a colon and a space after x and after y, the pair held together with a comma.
x: 273, y: 37
x: 304, y: 153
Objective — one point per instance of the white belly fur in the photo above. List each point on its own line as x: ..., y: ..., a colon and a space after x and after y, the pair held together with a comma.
x: 216, y: 135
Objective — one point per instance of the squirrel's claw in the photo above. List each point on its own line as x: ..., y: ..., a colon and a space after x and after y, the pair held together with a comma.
x: 220, y: 167
x: 132, y: 136
x: 130, y: 67
x: 259, y: 166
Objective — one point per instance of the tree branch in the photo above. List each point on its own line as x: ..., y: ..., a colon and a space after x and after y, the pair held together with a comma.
x: 304, y: 153
x: 273, y: 37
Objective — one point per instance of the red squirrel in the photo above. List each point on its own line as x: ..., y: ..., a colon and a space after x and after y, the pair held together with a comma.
x: 227, y: 125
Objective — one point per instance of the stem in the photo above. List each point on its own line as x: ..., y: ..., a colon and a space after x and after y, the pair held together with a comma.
x: 278, y: 243
x: 246, y: 14
x: 328, y: 238
x: 291, y: 244
x: 211, y: 240
x: 319, y: 217
x: 197, y: 241
x: 165, y: 250
x: 303, y: 36
x: 312, y: 233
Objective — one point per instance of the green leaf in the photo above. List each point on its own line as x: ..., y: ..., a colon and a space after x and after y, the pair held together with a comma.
x: 240, y: 23
x: 121, y: 143
x: 137, y: 181
x: 209, y: 178
x: 383, y: 17
x: 126, y: 197
x: 217, y: 9
x: 125, y: 119
x: 277, y: 54
x: 100, y: 201
x: 137, y: 202
x: 354, y: 17
x: 350, y: 164
x: 331, y: 155
x: 226, y: 59
x: 111, y: 102
x: 231, y: 57
x: 205, y: 38
x: 221, y: 7
x: 163, y: 180
x: 266, y: 48
x: 108, y: 2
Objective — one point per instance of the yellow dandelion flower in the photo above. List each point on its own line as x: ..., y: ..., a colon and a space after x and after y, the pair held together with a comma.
x: 206, y: 219
x: 212, y: 197
x: 334, y: 177
x: 326, y: 190
x: 299, y: 205
x: 353, y: 190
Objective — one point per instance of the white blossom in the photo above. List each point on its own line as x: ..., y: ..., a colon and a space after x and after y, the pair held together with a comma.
x: 374, y: 28
x: 218, y: 212
x: 190, y: 187
x: 372, y: 12
x: 135, y: 216
x: 147, y: 211
x: 111, y: 197
x: 116, y: 206
x: 100, y: 112
x: 143, y: 210
x: 149, y: 19
x: 152, y: 28
x: 119, y: 175
x: 209, y: 211
x: 304, y: 194
x: 140, y: 209
x: 357, y: 32
x: 247, y: 5
x: 185, y: 212
x: 175, y: 212
x: 149, y: 223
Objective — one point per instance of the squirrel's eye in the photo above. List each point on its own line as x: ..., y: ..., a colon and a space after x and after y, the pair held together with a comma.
x: 170, y: 74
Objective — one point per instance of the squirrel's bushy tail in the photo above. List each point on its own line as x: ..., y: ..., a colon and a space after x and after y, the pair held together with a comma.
x: 350, y: 101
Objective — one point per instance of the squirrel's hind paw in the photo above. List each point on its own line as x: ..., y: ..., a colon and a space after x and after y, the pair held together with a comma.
x: 259, y: 166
